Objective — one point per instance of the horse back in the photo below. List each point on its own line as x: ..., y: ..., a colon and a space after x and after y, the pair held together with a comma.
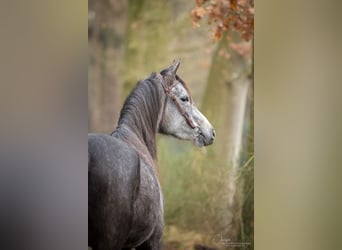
x: 113, y: 182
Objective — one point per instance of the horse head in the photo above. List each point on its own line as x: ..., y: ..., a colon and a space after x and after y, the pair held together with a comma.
x: 180, y: 116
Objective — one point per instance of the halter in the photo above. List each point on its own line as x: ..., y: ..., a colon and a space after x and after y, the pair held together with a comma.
x: 168, y: 92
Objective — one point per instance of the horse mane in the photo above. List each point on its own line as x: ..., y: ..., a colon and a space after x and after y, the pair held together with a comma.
x: 140, y: 113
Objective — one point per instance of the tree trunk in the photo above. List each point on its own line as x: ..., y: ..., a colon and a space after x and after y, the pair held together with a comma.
x: 247, y: 231
x: 224, y: 103
x: 104, y: 89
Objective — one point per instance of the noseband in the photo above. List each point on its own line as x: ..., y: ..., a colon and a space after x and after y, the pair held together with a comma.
x: 168, y: 92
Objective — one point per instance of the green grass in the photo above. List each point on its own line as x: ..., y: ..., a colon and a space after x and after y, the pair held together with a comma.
x: 195, y: 192
x: 193, y: 185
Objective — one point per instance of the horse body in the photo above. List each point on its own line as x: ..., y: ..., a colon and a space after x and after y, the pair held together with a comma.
x: 109, y: 190
x: 124, y: 209
x: 125, y: 204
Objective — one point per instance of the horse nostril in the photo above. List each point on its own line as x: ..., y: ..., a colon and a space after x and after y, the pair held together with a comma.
x: 213, y: 133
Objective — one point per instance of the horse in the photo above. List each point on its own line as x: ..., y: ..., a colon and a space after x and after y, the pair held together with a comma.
x: 125, y: 201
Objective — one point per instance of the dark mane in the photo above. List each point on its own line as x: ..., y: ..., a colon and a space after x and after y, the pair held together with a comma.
x: 140, y: 113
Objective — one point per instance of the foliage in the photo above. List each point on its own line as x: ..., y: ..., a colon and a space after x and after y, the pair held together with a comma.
x: 226, y: 15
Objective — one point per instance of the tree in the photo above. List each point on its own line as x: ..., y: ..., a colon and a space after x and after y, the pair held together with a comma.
x: 105, y: 34
x: 229, y: 92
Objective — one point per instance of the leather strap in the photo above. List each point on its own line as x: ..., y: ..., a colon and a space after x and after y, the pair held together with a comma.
x: 168, y: 92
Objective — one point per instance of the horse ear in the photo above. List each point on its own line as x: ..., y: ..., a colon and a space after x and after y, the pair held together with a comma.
x: 171, y: 71
x: 174, y: 66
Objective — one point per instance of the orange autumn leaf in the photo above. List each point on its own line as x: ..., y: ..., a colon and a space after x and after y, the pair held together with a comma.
x: 197, y: 14
x: 233, y: 4
x: 226, y: 15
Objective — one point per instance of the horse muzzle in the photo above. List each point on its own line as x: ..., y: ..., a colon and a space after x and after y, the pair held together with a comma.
x: 205, y: 138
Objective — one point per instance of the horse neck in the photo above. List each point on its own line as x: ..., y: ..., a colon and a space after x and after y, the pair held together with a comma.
x: 140, y: 115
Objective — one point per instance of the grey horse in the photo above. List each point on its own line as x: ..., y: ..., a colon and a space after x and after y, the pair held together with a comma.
x: 125, y: 201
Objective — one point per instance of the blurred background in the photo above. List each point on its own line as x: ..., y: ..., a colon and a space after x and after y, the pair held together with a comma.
x: 208, y: 192
x: 44, y: 113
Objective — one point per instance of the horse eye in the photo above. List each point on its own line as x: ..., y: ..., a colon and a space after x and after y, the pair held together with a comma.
x: 184, y: 99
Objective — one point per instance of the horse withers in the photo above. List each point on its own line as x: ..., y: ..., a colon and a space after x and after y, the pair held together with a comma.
x: 125, y: 202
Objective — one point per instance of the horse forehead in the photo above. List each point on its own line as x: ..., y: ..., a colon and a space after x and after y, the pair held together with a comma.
x: 179, y: 89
